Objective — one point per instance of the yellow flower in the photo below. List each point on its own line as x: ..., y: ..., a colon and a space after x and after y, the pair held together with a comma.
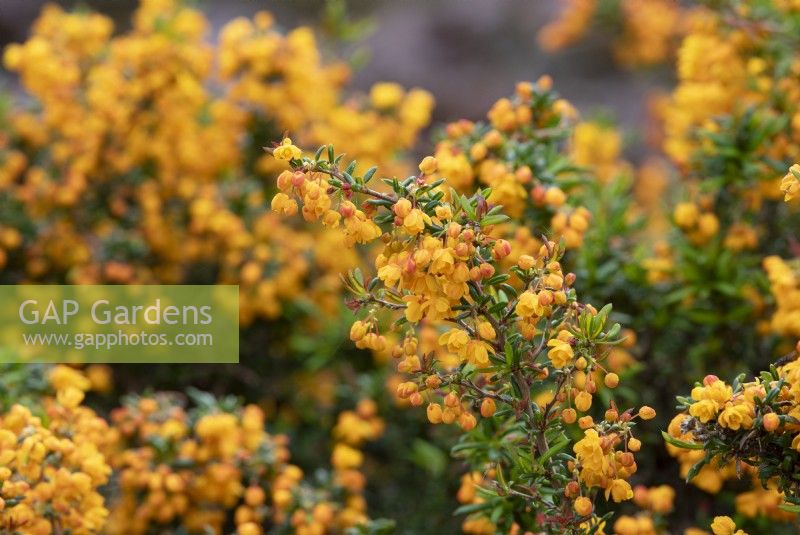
x: 611, y: 380
x: 619, y: 490
x: 686, y: 214
x: 286, y: 151
x: 428, y: 165
x: 486, y: 331
x: 583, y: 401
x: 592, y: 460
x: 331, y: 219
x: 647, y: 413
x: 708, y: 224
x: 402, y: 208
x: 282, y: 204
x: 723, y: 525
x: 70, y: 397
x: 434, y: 413
x: 528, y: 305
x: 560, y: 352
x: 736, y: 417
x: 555, y: 197
x: 704, y: 410
x: 717, y: 391
x: 455, y: 340
x: 444, y: 212
x: 415, y: 221
x: 414, y: 309
x: 488, y: 407
x: 771, y: 422
x: 358, y: 330
x: 384, y: 95
x: 62, y: 377
x: 660, y: 499
x: 477, y: 353
x: 790, y: 185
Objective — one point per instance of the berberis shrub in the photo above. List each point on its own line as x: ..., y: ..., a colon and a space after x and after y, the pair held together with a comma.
x: 490, y: 338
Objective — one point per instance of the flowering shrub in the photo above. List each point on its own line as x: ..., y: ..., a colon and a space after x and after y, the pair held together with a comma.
x: 52, y: 464
x: 141, y: 161
x: 745, y: 427
x: 439, y: 266
x: 197, y: 469
x: 156, y: 464
x: 137, y: 159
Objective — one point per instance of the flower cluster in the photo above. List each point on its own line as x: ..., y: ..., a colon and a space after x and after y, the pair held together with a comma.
x: 524, y: 353
x: 52, y: 464
x: 202, y: 468
x: 526, y: 154
x: 139, y: 163
x: 700, y: 226
x: 163, y: 461
x: 727, y: 430
x: 783, y: 278
x: 727, y: 128
x: 656, y: 503
x: 188, y: 470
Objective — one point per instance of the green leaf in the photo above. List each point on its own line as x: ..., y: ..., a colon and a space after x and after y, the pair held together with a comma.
x: 497, y: 279
x: 562, y: 443
x: 510, y: 290
x: 789, y: 508
x: 472, y: 508
x: 613, y: 332
x: 465, y: 446
x: 494, y: 219
x: 369, y: 174
x: 681, y: 443
x: 694, y: 470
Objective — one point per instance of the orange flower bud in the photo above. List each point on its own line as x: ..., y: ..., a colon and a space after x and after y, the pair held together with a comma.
x: 526, y: 261
x: 611, y: 380
x: 501, y: 249
x: 467, y: 421
x: 771, y: 422
x: 647, y: 413
x: 572, y: 490
x: 488, y: 407
x: 451, y: 399
x: 434, y: 413
x: 433, y: 382
x: 586, y: 422
x: 583, y: 506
